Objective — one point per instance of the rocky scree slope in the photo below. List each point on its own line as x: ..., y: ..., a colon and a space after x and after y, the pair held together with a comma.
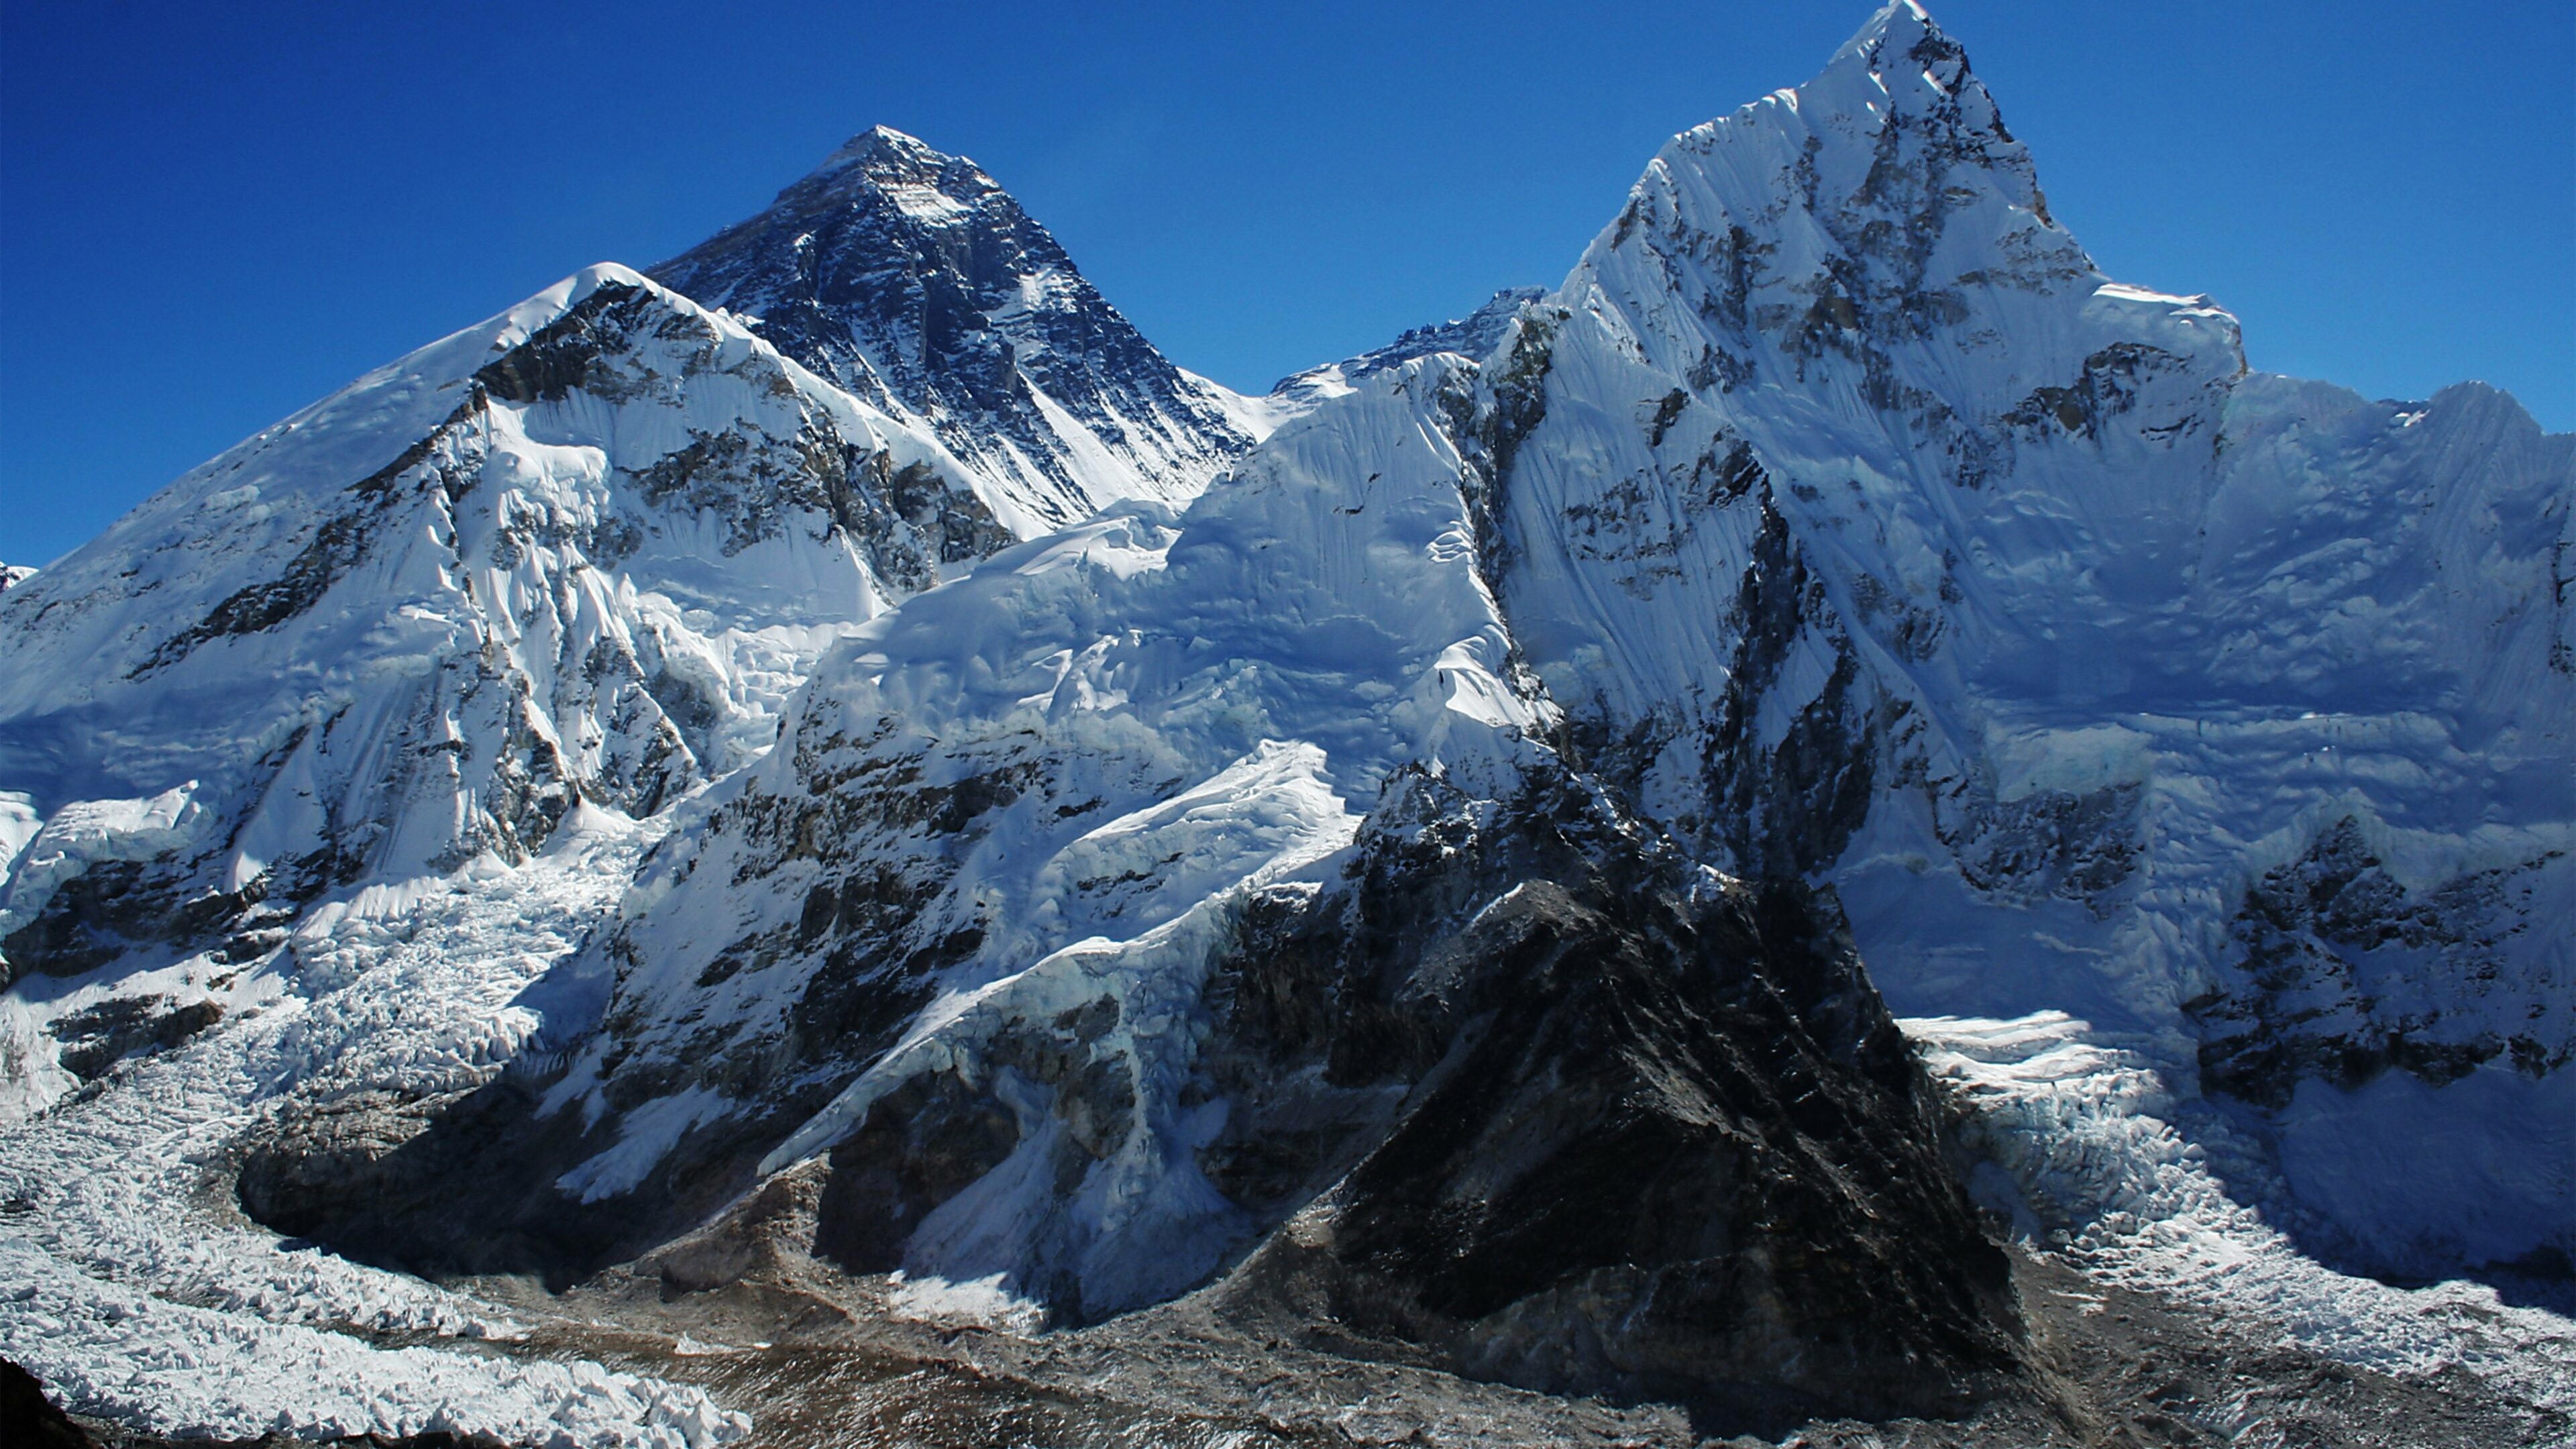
x: 911, y: 279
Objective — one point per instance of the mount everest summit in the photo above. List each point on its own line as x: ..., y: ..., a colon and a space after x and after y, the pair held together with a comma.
x: 1838, y: 819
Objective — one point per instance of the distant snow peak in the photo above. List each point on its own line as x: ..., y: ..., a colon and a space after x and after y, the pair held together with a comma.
x: 912, y: 279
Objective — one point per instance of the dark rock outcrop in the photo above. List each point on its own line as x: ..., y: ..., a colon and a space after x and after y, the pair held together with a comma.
x: 1550, y: 1104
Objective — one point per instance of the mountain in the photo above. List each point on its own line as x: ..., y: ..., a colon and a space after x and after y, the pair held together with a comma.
x: 2229, y: 713
x: 1849, y: 820
x: 579, y: 552
x: 1959, y: 542
x: 1105, y: 910
x: 913, y: 281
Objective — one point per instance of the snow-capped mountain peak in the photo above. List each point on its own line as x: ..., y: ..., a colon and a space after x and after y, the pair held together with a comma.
x: 2009, y: 594
x: 912, y: 279
x: 883, y: 147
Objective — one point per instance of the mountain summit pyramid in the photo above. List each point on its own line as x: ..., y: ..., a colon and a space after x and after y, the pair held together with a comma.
x: 912, y: 280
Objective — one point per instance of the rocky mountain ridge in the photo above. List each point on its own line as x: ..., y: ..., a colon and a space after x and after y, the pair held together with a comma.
x: 1473, y: 335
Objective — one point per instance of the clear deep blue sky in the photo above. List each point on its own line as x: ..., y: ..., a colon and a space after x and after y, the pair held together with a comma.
x: 211, y: 215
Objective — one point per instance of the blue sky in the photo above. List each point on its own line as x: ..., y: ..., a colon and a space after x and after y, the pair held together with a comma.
x: 212, y: 215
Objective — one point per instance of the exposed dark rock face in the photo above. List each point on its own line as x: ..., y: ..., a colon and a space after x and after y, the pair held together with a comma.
x: 1564, y: 1114
x: 2344, y: 969
x: 95, y: 1039
x: 910, y: 278
x: 115, y: 907
x: 466, y: 1183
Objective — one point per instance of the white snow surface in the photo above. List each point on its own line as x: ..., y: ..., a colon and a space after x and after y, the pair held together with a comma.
x: 131, y: 1291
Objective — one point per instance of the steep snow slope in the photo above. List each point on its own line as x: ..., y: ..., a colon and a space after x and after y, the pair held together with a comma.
x: 582, y: 550
x: 1864, y: 528
x: 912, y: 280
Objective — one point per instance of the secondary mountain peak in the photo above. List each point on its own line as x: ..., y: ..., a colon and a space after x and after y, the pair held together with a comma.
x: 1471, y: 336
